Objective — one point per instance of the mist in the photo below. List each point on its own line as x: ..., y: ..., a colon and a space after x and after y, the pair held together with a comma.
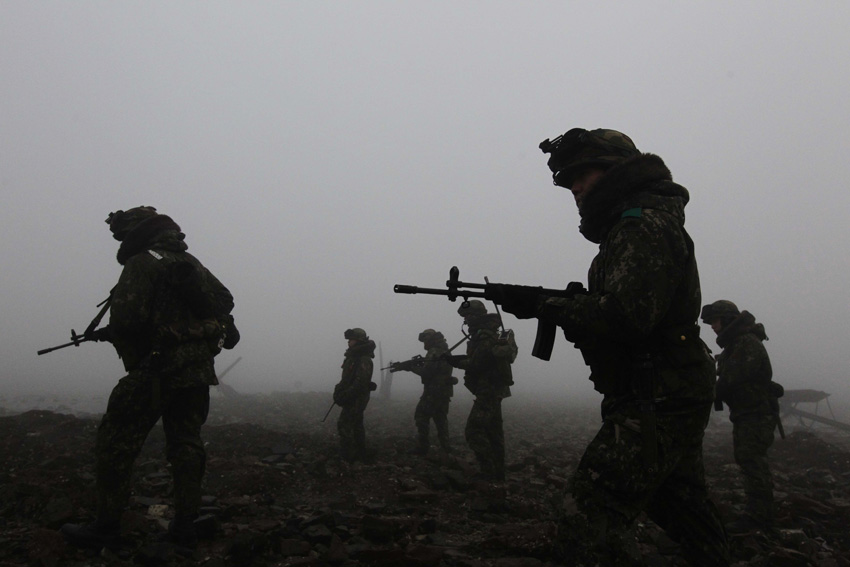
x: 315, y: 154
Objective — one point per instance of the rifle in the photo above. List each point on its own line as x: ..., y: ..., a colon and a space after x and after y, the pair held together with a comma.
x: 545, y: 339
x: 88, y: 334
x: 418, y: 360
x: 406, y: 365
x: 329, y: 411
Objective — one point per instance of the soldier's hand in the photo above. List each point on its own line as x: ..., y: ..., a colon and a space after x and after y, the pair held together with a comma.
x: 101, y: 335
x: 514, y: 299
x: 576, y: 288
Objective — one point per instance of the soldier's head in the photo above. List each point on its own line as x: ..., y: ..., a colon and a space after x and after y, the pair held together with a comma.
x: 121, y: 223
x: 580, y: 157
x: 472, y: 311
x: 356, y: 335
x: 430, y: 336
x: 719, y: 314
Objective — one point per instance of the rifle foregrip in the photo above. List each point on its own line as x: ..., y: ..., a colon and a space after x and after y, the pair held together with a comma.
x: 545, y: 340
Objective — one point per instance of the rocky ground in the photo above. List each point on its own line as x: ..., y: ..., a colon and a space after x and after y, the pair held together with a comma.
x: 277, y: 495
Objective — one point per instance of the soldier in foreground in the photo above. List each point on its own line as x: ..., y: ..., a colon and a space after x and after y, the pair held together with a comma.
x: 636, y: 328
x: 352, y: 394
x: 488, y: 376
x: 745, y: 385
x: 168, y: 318
x: 438, y: 388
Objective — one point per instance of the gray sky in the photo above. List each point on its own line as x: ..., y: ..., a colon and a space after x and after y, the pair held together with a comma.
x: 316, y: 153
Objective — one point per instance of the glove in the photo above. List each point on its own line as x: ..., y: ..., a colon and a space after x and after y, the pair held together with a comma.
x: 517, y: 300
x: 576, y: 288
x: 101, y: 335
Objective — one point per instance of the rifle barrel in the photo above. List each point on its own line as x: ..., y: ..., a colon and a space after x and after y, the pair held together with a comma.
x: 72, y: 343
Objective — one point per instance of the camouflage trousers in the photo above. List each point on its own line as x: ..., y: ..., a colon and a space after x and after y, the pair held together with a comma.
x: 485, y: 436
x: 613, y: 485
x: 752, y: 437
x: 432, y: 408
x: 131, y: 413
x: 352, y: 432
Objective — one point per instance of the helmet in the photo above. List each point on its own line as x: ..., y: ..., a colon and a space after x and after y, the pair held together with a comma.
x: 473, y: 308
x: 429, y: 335
x: 720, y: 309
x: 122, y: 222
x: 579, y: 148
x: 356, y: 334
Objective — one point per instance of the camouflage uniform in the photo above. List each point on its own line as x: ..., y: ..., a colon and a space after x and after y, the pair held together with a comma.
x: 636, y: 330
x: 744, y: 384
x: 167, y: 348
x: 436, y: 375
x: 352, y: 394
x: 488, y: 376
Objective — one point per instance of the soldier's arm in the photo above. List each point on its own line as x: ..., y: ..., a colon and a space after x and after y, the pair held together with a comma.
x: 747, y: 364
x: 133, y: 297
x: 641, y: 276
x: 364, y: 374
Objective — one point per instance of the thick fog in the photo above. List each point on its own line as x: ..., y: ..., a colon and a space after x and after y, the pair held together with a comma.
x: 317, y: 153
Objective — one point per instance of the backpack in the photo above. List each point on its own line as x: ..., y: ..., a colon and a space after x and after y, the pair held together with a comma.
x: 205, y: 300
x: 508, y: 337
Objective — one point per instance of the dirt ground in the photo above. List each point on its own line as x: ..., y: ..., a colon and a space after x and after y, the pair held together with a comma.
x: 276, y: 494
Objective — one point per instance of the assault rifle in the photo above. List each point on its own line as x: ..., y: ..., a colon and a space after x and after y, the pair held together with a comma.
x: 90, y: 334
x: 406, y: 365
x: 418, y: 360
x: 545, y: 339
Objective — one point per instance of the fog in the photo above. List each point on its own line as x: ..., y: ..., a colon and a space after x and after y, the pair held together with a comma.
x: 317, y: 153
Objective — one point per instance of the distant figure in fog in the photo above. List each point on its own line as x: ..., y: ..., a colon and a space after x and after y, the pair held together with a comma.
x: 352, y: 394
x: 488, y: 375
x: 438, y: 388
x: 745, y: 385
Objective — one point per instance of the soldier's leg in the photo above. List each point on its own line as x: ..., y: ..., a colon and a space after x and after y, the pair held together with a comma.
x: 681, y: 505
x: 606, y: 493
x: 345, y: 427
x: 360, y: 427
x: 185, y: 411
x: 477, y: 437
x: 752, y: 439
x: 130, y: 415
x: 422, y: 418
x: 497, y: 440
x: 441, y: 421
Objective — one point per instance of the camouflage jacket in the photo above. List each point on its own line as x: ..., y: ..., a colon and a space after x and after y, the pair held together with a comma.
x: 644, y: 291
x: 151, y: 323
x: 356, y: 380
x: 436, y: 373
x: 487, y: 368
x: 744, y: 369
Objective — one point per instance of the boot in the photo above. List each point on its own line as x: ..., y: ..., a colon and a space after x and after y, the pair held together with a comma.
x: 744, y: 525
x: 181, y: 532
x: 95, y: 535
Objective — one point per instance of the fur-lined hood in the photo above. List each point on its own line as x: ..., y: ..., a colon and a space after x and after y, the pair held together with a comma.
x: 640, y: 181
x: 158, y: 232
x: 740, y: 325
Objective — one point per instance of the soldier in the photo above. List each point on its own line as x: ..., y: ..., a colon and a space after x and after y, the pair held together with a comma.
x: 636, y: 328
x: 438, y: 388
x: 168, y: 319
x: 352, y: 394
x: 745, y: 385
x: 488, y: 376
